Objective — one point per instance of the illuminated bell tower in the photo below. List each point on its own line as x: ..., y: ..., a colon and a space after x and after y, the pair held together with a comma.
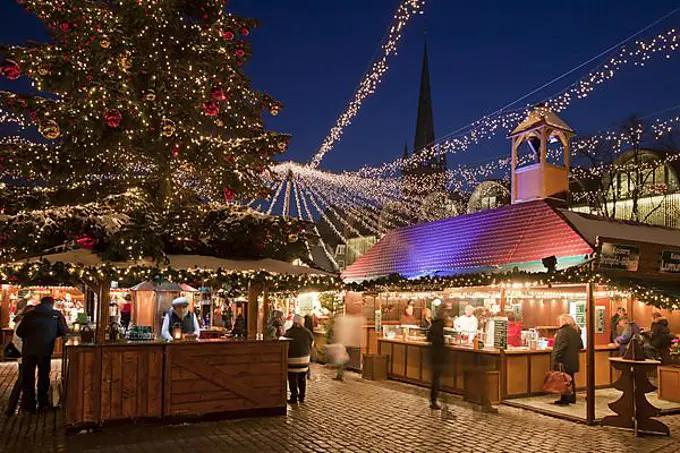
x: 540, y: 179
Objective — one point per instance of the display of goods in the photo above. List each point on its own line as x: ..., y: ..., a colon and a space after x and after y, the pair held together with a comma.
x: 140, y: 333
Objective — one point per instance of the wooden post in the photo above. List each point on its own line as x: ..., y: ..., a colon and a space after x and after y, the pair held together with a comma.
x: 590, y: 354
x: 265, y: 313
x: 254, y: 291
x: 103, y: 289
x: 4, y: 306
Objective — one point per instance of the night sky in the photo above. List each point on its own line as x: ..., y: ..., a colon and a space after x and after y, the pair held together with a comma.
x: 311, y: 54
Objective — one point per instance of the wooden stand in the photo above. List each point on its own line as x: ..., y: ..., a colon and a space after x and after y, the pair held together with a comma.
x: 633, y: 409
x: 669, y: 383
x: 134, y: 381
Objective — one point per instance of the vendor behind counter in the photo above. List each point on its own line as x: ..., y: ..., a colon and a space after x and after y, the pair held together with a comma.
x: 179, y: 321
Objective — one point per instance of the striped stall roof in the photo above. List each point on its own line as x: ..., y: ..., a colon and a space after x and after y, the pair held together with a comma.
x: 483, y: 241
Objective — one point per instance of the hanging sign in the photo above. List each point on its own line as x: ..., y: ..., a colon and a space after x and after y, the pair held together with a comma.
x: 620, y: 257
x: 670, y: 261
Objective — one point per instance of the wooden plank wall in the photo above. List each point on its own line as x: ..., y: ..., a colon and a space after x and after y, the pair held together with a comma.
x: 204, y: 378
x: 132, y: 382
x: 83, y: 371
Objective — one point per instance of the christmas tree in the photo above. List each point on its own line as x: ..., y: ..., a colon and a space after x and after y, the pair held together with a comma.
x: 146, y: 121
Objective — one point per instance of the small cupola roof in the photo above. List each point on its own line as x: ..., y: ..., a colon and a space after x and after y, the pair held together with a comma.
x: 541, y: 116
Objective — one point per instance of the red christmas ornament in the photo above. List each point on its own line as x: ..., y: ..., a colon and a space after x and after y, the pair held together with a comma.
x: 240, y: 53
x: 86, y: 242
x: 228, y: 35
x: 218, y: 94
x: 245, y: 31
x: 211, y: 109
x: 113, y: 117
x: 229, y: 194
x: 65, y: 27
x: 175, y: 150
x: 10, y: 69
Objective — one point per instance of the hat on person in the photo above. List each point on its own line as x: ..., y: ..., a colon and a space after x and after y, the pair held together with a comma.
x: 180, y: 301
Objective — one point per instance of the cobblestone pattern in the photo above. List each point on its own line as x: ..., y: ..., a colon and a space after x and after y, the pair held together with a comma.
x: 354, y: 416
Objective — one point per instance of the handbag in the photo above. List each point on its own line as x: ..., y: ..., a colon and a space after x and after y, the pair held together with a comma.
x: 557, y: 382
x: 11, y: 352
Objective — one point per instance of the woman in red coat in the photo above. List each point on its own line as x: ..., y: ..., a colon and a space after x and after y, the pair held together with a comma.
x: 514, y: 331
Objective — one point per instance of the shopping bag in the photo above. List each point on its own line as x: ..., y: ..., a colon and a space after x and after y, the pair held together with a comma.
x: 557, y: 382
x: 55, y: 393
x: 11, y: 352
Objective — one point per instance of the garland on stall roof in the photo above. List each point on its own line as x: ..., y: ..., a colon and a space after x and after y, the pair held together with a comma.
x: 45, y: 272
x: 583, y: 274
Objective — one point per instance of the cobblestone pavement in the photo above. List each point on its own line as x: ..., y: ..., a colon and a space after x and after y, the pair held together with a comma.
x: 354, y: 416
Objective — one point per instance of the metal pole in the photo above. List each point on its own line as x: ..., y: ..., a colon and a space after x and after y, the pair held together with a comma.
x: 590, y: 354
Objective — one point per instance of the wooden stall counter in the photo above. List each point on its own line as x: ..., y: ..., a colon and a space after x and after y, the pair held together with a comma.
x: 165, y: 381
x: 511, y: 373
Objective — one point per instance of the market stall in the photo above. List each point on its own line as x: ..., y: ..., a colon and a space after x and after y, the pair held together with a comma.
x: 522, y: 264
x: 140, y: 376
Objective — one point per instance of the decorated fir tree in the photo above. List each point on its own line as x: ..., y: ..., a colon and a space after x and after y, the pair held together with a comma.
x: 146, y: 123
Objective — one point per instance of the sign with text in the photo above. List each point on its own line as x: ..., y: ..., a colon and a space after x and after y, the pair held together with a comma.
x: 670, y: 261
x: 619, y: 256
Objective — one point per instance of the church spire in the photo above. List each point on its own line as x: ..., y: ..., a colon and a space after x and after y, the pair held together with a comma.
x: 425, y: 121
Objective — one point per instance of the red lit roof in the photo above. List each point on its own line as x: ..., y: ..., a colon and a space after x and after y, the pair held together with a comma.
x: 496, y: 239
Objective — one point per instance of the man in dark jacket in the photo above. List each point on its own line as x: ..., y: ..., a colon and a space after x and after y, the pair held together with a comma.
x: 565, y: 354
x: 38, y: 330
x: 299, y: 350
x: 435, y: 336
x: 660, y: 337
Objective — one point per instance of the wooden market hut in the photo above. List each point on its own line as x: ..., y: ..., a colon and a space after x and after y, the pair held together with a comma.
x: 535, y: 248
x: 117, y: 381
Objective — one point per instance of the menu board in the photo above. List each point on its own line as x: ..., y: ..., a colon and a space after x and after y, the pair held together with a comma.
x: 500, y: 333
x: 578, y: 311
x: 670, y: 261
x: 619, y: 257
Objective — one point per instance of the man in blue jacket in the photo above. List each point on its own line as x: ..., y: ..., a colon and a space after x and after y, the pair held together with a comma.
x: 38, y: 330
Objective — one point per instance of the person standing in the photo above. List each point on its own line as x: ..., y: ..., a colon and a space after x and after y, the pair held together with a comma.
x: 38, y: 331
x: 467, y: 324
x: 298, y: 359
x: 18, y: 345
x: 614, y: 332
x: 180, y: 316
x: 660, y: 337
x: 126, y: 311
x: 309, y: 325
x: 435, y: 336
x: 565, y: 354
x: 628, y: 330
x: 514, y: 331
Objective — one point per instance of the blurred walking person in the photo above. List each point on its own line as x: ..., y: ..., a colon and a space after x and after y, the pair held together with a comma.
x: 435, y: 336
x: 298, y: 359
x: 346, y: 334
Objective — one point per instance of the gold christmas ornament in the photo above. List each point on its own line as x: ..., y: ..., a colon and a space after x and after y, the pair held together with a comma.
x: 105, y: 43
x: 219, y: 123
x: 274, y: 111
x: 293, y: 237
x: 168, y: 127
x: 43, y: 71
x: 50, y: 129
x: 150, y: 95
x: 282, y: 146
x: 124, y: 62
